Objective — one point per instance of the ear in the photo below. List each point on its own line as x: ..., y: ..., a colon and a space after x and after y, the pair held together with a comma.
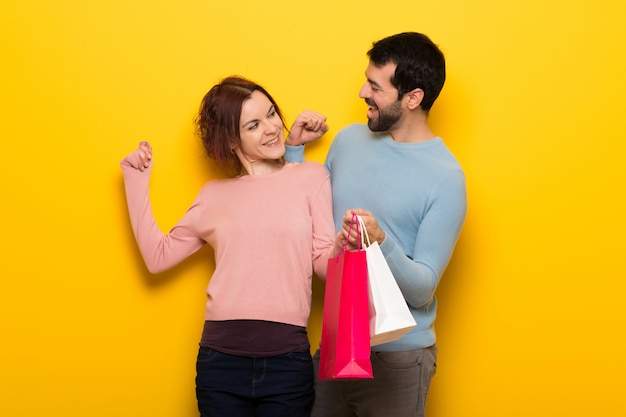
x: 415, y: 98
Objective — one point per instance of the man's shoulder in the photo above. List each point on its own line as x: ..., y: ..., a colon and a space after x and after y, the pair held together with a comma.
x: 355, y: 129
x: 446, y: 156
x: 356, y: 132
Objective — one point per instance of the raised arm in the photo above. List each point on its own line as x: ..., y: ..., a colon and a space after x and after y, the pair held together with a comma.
x: 159, y: 251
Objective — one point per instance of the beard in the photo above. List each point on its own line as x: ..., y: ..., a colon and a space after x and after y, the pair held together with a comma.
x: 387, y: 117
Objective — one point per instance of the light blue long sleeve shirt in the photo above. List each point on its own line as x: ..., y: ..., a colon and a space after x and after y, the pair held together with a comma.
x: 417, y: 193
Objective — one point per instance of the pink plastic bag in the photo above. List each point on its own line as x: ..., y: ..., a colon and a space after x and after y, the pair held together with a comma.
x: 345, y: 341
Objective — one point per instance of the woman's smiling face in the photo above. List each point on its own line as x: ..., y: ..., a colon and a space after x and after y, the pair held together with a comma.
x: 261, y: 129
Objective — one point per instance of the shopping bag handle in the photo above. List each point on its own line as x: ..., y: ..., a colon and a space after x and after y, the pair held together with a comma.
x: 364, y: 235
x: 356, y: 221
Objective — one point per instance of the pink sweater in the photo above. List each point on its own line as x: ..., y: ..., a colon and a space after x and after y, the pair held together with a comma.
x: 269, y: 233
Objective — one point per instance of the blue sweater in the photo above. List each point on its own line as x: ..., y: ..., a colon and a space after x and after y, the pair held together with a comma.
x: 417, y: 193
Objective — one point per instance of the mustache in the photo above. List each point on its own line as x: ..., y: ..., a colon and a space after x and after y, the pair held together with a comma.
x: 370, y: 102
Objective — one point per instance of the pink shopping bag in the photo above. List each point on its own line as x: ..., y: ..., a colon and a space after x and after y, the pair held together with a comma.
x: 345, y: 341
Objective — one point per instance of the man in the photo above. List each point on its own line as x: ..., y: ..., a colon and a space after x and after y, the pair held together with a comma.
x: 410, y: 191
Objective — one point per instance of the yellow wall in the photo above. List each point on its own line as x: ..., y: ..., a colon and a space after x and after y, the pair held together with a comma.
x: 532, y: 307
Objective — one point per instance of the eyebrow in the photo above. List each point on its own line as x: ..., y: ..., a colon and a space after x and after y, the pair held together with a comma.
x: 272, y: 108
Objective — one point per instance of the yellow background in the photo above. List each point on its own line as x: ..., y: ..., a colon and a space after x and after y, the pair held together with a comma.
x: 532, y: 306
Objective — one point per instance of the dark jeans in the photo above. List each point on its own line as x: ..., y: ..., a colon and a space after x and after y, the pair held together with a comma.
x: 234, y: 386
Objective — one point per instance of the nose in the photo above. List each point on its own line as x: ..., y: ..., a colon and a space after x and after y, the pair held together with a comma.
x: 271, y: 128
x: 366, y: 91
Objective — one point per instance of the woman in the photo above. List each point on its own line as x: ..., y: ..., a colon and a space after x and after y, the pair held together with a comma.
x: 270, y: 225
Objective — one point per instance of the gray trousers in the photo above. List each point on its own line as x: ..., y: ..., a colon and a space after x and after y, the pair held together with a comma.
x: 399, y: 387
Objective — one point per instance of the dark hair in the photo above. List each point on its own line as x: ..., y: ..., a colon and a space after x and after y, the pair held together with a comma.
x: 217, y: 122
x: 420, y: 64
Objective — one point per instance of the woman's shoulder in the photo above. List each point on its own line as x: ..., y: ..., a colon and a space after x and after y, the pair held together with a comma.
x: 307, y: 168
x: 215, y: 185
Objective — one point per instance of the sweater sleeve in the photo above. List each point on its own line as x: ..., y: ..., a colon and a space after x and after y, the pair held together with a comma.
x: 436, y: 238
x: 324, y: 245
x: 294, y: 153
x: 159, y: 251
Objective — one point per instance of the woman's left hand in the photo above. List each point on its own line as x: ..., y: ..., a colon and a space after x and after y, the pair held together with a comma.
x: 309, y: 126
